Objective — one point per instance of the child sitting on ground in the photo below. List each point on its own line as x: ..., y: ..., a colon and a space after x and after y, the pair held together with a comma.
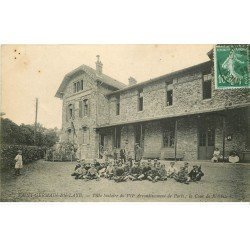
x: 172, y: 170
x: 92, y: 173
x: 153, y: 173
x: 163, y: 173
x: 96, y: 164
x: 119, y: 174
x: 216, y: 155
x: 109, y: 171
x: 102, y: 170
x: 196, y: 173
x: 182, y: 175
x: 78, y: 165
x: 233, y: 157
x: 135, y: 172
x: 146, y: 167
x: 80, y: 173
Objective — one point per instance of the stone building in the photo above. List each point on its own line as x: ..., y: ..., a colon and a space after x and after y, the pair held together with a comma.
x: 179, y: 115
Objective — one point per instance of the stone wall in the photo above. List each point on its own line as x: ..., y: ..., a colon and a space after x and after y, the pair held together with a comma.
x: 187, y: 98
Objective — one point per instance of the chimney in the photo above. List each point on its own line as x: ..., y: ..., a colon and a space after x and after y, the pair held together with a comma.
x: 131, y: 81
x: 98, y: 65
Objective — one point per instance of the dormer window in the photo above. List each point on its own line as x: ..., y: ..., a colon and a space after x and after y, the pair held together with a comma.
x: 78, y: 86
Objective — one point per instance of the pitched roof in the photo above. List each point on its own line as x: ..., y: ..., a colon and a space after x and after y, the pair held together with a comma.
x: 116, y: 85
x: 202, y: 66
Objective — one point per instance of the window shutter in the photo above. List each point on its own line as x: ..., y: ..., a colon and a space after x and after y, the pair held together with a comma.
x: 88, y: 108
x: 80, y: 108
x: 81, y: 84
x: 73, y: 111
x: 67, y: 113
x: 88, y: 135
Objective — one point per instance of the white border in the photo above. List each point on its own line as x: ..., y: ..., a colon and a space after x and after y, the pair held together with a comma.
x: 121, y: 225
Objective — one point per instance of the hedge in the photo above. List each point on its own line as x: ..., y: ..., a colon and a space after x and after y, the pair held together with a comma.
x: 29, y: 153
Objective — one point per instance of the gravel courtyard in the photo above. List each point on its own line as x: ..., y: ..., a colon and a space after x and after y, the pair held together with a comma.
x: 51, y: 181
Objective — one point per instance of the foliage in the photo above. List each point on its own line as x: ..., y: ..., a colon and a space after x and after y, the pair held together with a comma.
x: 11, y: 133
x: 29, y: 154
x: 63, y: 151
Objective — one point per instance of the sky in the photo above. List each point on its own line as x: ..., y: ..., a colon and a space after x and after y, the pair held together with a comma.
x: 36, y: 71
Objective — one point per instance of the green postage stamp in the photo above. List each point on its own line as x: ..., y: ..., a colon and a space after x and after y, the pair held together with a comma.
x: 231, y: 66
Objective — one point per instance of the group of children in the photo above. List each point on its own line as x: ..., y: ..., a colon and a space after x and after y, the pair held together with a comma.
x: 122, y: 171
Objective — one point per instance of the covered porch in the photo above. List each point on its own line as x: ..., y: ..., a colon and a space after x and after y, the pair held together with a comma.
x: 185, y: 137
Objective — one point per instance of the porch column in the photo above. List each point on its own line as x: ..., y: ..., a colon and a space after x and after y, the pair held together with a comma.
x: 115, y: 138
x: 223, y: 137
x: 175, y: 140
x: 141, y: 135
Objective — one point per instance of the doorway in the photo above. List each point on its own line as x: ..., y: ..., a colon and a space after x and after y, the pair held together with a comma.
x: 139, y: 135
x: 206, y: 141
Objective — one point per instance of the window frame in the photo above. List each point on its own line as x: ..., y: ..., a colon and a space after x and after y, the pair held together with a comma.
x: 117, y: 106
x: 168, y: 133
x: 140, y: 100
x: 171, y: 98
x: 85, y: 107
x: 206, y: 79
x: 117, y: 137
x: 70, y: 111
x: 78, y: 86
x: 169, y: 88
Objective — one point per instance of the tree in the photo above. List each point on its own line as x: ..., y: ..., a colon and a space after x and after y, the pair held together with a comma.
x: 11, y: 133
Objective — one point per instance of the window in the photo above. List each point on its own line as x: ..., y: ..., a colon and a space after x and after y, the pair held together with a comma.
x: 202, y: 138
x: 81, y: 85
x: 207, y: 86
x: 169, y: 93
x: 139, y: 134
x: 86, y: 107
x: 168, y: 136
x: 117, y: 137
x: 78, y: 86
x: 140, y: 100
x: 169, y: 97
x: 117, y: 107
x: 80, y: 109
x: 210, y: 137
x: 70, y: 112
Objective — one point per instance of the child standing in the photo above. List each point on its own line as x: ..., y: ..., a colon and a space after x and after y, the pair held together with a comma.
x: 19, y: 162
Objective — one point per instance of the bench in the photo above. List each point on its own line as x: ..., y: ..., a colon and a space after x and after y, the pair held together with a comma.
x: 169, y: 154
x: 151, y: 155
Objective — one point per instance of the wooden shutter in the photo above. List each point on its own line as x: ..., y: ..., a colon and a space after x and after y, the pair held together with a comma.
x: 67, y: 113
x: 88, y: 108
x: 73, y: 111
x: 80, y: 108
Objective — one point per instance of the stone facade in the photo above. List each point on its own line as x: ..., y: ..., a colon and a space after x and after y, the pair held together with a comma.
x: 189, y: 112
x: 187, y: 98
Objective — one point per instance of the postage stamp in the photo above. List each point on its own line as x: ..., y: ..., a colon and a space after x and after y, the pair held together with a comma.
x: 231, y: 66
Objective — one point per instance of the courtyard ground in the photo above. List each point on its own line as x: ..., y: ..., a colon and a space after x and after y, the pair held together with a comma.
x: 52, y: 181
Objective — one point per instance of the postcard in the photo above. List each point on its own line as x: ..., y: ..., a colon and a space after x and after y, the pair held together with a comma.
x: 137, y: 123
